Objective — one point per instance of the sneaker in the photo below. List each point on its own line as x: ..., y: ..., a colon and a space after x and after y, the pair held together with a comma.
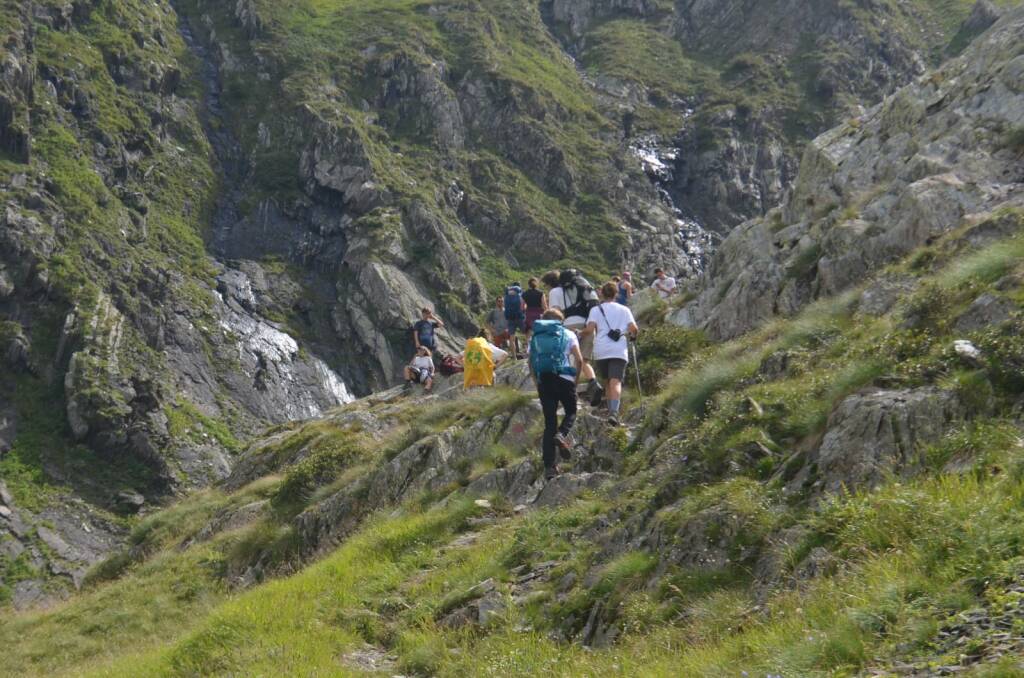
x: 565, y: 443
x: 613, y: 420
x: 550, y: 472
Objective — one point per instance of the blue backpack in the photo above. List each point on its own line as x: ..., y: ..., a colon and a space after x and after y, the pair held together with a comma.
x: 513, y: 302
x: 547, y: 349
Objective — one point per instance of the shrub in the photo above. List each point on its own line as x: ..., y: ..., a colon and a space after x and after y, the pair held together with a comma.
x: 328, y: 458
x: 661, y: 349
x: 1014, y: 139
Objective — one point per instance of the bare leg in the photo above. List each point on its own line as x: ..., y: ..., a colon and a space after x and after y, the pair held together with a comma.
x: 614, y: 390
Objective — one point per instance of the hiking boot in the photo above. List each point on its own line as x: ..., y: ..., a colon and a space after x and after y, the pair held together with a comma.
x: 613, y: 420
x: 565, y: 443
x: 595, y: 393
x: 550, y: 472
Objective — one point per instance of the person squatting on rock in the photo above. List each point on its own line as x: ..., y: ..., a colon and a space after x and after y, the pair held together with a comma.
x: 570, y: 293
x: 424, y: 332
x: 479, y: 360
x: 613, y: 325
x: 420, y: 370
x: 553, y: 351
x: 536, y: 303
x: 496, y: 323
x: 515, y: 315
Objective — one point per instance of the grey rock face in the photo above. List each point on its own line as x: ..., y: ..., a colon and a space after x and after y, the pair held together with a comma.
x: 567, y: 486
x: 877, y: 434
x: 982, y: 15
x: 880, y: 296
x: 872, y: 190
x: 986, y: 310
x: 577, y: 15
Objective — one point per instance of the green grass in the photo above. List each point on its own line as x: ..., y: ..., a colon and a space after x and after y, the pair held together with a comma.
x: 905, y: 557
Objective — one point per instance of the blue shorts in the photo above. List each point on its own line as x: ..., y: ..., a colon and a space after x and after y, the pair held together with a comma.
x: 516, y: 324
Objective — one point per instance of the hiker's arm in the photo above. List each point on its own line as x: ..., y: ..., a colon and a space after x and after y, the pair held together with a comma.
x: 543, y: 302
x: 437, y: 321
x: 633, y: 329
x: 588, y: 330
x: 577, y: 355
x: 416, y: 338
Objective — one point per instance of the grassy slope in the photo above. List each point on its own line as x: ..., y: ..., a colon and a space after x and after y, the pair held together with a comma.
x: 908, y: 556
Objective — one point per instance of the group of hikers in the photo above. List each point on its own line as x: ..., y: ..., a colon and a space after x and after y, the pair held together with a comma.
x: 576, y: 340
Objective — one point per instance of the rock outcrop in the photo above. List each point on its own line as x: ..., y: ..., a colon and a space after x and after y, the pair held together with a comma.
x: 929, y: 158
x: 874, y: 436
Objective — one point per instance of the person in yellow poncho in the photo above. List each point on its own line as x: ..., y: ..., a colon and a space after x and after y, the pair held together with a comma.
x: 479, y: 360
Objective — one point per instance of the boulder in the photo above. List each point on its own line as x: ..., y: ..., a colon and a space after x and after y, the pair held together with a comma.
x: 877, y: 434
x: 986, y: 310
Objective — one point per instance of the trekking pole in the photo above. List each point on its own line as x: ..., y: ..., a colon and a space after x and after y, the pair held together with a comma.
x: 636, y: 364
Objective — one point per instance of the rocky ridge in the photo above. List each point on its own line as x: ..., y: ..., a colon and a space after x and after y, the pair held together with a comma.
x: 934, y: 156
x: 742, y: 100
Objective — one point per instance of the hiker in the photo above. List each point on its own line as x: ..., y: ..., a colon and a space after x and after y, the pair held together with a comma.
x: 515, y: 314
x: 497, y: 324
x: 536, y: 303
x: 420, y: 370
x: 611, y: 322
x: 553, y: 350
x: 479, y: 360
x: 572, y: 294
x: 424, y: 332
x: 664, y: 284
x: 625, y: 288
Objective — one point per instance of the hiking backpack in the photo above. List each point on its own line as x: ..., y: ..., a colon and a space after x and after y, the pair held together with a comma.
x: 478, y: 363
x: 513, y: 302
x: 450, y: 365
x: 578, y: 293
x: 547, y: 349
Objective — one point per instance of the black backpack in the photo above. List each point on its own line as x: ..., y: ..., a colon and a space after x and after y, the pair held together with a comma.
x: 580, y: 295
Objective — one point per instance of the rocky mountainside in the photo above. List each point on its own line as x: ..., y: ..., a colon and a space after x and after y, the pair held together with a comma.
x: 223, y: 216
x: 939, y: 153
x: 728, y: 92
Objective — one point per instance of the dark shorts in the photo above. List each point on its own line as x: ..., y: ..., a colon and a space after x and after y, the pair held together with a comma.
x: 532, y: 315
x: 516, y: 325
x: 611, y: 368
x: 421, y: 373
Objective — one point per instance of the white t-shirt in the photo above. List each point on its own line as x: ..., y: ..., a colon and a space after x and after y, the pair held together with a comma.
x: 556, y: 299
x: 615, y: 317
x: 496, y: 353
x: 665, y: 286
x: 422, y: 362
x: 569, y: 345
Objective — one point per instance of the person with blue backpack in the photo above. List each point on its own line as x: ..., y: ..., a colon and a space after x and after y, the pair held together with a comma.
x: 553, y: 352
x: 515, y: 314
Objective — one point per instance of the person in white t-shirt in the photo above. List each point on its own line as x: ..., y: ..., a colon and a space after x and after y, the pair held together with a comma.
x: 613, y: 325
x: 421, y: 369
x: 576, y: 324
x: 664, y: 284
